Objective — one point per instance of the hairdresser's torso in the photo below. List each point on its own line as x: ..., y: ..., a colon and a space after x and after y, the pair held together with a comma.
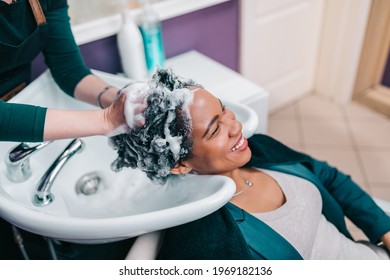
x: 22, y: 38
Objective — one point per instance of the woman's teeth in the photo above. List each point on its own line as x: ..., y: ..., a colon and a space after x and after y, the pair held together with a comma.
x: 238, y: 145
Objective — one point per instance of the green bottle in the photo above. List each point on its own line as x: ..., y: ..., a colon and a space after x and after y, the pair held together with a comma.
x: 150, y: 27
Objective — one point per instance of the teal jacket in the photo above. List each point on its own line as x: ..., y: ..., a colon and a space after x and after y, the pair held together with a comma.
x: 232, y: 233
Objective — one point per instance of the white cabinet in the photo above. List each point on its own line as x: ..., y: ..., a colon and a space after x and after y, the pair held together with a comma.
x: 223, y: 83
x: 279, y: 46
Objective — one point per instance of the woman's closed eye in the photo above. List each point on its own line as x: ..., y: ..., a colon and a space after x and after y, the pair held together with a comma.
x: 214, y: 122
x: 215, y: 131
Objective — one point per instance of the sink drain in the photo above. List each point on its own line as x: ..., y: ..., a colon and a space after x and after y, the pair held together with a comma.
x: 88, y: 184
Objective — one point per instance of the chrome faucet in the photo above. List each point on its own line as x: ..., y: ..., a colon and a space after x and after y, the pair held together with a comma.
x: 17, y: 161
x: 43, y: 195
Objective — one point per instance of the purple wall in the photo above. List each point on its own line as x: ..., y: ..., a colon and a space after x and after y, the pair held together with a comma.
x: 212, y: 31
x: 386, y: 74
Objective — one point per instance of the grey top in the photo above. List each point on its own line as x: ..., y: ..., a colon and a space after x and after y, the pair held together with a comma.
x: 300, y: 221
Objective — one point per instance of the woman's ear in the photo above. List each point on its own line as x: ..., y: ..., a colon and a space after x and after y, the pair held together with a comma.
x: 181, y: 168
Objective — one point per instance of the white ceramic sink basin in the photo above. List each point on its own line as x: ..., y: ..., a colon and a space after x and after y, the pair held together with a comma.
x: 126, y: 204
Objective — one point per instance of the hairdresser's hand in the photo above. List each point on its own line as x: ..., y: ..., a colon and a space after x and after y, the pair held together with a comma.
x: 135, y: 103
x: 114, y: 117
x: 125, y: 113
x: 386, y: 240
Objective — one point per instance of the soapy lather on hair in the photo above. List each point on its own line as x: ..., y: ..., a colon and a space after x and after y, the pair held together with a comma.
x: 164, y: 139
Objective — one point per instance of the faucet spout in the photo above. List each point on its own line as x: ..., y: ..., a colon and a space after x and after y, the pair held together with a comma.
x: 17, y: 161
x: 43, y: 194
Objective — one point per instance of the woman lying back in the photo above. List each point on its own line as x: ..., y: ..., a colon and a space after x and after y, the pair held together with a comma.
x: 287, y: 205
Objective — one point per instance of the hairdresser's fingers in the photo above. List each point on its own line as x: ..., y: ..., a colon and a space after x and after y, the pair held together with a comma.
x: 139, y: 121
x: 135, y: 91
x: 139, y: 99
x: 139, y: 109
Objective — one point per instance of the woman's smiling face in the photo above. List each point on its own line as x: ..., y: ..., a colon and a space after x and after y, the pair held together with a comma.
x: 218, y: 144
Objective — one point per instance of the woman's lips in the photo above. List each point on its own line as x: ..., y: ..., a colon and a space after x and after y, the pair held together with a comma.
x: 241, y: 145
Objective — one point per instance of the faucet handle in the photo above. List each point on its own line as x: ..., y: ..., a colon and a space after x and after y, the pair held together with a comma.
x: 18, y: 163
x: 23, y: 150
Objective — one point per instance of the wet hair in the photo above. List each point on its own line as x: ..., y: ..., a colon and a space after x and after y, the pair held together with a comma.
x: 166, y: 137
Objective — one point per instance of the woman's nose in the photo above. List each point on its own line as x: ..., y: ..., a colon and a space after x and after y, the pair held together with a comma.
x: 230, y: 114
x: 235, y: 127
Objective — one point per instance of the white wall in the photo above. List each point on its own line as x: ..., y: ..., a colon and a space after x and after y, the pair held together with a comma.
x: 293, y: 47
x: 279, y: 46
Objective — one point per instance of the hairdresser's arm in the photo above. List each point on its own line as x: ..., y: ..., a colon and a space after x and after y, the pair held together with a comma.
x: 65, y: 61
x: 60, y: 124
x: 89, y: 88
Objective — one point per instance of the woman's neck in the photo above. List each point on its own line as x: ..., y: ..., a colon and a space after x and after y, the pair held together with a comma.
x: 237, y: 176
x: 8, y: 1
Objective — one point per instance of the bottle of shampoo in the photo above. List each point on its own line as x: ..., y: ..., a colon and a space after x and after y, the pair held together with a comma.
x: 150, y: 27
x: 131, y: 49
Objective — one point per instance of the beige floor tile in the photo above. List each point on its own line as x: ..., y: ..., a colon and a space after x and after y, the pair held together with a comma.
x: 317, y: 132
x: 286, y: 131
x: 286, y: 113
x: 381, y: 191
x: 358, y: 112
x: 318, y: 108
x: 352, y: 138
x: 346, y: 160
x: 376, y: 165
x: 371, y: 134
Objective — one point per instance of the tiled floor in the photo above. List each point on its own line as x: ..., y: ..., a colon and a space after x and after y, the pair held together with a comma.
x: 352, y: 138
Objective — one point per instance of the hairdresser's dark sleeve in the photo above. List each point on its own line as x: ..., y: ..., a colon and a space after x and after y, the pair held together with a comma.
x: 357, y: 205
x: 62, y: 54
x: 21, y: 123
